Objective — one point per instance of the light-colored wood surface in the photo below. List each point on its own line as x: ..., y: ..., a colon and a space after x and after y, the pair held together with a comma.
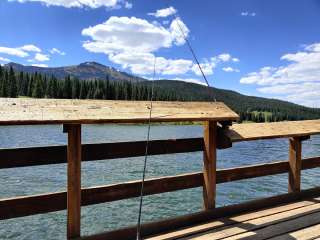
x: 74, y: 180
x: 295, y: 163
x: 309, y: 233
x: 54, y: 111
x: 209, y: 164
x: 229, y: 221
x: 299, y: 220
x: 256, y: 131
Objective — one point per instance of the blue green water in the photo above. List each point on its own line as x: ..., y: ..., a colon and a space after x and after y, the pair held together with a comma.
x: 102, y: 217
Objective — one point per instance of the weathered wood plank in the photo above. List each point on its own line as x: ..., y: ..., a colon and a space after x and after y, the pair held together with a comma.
x: 291, y: 224
x: 74, y: 180
x: 210, y: 164
x: 245, y: 228
x: 308, y: 233
x: 14, y: 111
x: 150, y: 229
x: 185, y: 232
x: 295, y: 152
x: 256, y: 131
x: 23, y: 157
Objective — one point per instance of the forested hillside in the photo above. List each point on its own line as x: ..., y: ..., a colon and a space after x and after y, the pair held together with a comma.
x: 15, y: 84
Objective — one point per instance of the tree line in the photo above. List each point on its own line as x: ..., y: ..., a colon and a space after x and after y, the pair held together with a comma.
x: 41, y: 86
x: 13, y: 84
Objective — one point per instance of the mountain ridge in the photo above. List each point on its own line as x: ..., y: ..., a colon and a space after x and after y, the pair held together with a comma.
x: 83, y: 71
x: 180, y: 90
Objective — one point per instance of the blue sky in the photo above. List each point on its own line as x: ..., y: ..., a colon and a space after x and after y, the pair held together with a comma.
x: 265, y: 48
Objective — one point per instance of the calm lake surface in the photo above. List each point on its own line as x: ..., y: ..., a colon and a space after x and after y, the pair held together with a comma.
x: 102, y: 217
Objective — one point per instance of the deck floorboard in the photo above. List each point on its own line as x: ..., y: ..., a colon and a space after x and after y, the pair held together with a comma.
x: 299, y: 220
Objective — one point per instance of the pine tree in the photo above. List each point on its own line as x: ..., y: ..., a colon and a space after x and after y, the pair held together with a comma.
x: 67, y: 88
x: 38, y: 90
x: 13, y: 88
x: 76, y: 89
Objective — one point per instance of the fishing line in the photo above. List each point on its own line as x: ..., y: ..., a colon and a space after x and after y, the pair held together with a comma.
x: 150, y: 116
x: 146, y: 154
x: 193, y: 54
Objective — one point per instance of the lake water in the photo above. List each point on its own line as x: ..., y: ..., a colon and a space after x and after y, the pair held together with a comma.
x: 102, y: 217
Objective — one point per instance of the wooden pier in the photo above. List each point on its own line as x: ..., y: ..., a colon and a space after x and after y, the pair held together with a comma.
x: 295, y: 215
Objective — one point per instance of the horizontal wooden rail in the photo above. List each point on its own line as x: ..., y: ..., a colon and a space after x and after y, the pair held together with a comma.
x: 29, y: 205
x: 23, y: 157
x: 37, y: 156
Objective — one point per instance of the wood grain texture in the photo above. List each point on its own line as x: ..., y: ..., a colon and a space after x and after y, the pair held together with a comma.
x: 252, y: 227
x: 308, y: 233
x: 14, y: 111
x: 43, y: 203
x: 256, y: 131
x: 295, y: 164
x: 168, y: 225
x: 23, y: 157
x: 209, y: 164
x: 212, y: 225
x: 74, y: 180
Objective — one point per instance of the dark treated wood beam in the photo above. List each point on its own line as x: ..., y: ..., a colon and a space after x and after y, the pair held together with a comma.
x: 209, y: 164
x: 149, y: 229
x: 295, y: 153
x: 74, y: 180
x: 29, y: 205
x: 23, y: 157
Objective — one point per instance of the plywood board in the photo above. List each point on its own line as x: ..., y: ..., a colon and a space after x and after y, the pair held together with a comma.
x: 15, y: 111
x: 256, y: 131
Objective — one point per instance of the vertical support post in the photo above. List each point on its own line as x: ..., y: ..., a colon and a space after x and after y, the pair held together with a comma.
x: 295, y: 149
x: 209, y: 164
x: 74, y: 180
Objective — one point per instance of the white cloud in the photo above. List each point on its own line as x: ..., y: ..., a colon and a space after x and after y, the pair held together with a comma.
x: 128, y: 5
x: 13, y: 52
x: 248, y: 14
x: 40, y: 65
x: 41, y: 57
x: 2, y: 59
x: 179, y: 31
x: 302, y: 67
x: 22, y: 51
x: 57, y: 51
x: 76, y: 3
x: 164, y: 12
x: 143, y: 63
x: 225, y: 57
x: 298, y: 80
x: 235, y: 60
x: 30, y: 48
x: 230, y: 69
x: 206, y: 67
x: 131, y: 42
x: 120, y: 34
x: 302, y: 93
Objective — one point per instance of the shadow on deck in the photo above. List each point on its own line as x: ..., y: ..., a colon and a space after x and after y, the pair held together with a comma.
x: 297, y: 220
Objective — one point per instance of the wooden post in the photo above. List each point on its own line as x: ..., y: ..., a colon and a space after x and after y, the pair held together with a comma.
x: 295, y: 149
x: 209, y: 164
x: 74, y: 180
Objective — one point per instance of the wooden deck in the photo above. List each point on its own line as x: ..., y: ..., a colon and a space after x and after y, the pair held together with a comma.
x: 297, y: 220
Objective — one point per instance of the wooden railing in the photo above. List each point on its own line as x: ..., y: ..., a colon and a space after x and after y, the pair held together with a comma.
x: 215, y: 136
